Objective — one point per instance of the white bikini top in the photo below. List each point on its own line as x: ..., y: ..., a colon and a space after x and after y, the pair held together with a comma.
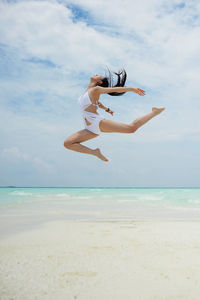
x: 84, y: 101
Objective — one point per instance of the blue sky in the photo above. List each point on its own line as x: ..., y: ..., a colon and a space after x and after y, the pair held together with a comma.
x: 49, y: 50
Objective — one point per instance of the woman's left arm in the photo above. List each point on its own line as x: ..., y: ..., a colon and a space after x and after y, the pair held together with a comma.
x: 107, y: 109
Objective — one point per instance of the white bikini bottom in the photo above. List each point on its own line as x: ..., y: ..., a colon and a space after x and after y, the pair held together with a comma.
x: 91, y: 121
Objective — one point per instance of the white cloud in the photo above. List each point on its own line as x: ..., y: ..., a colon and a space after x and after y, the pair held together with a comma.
x: 42, y: 164
x: 53, y: 36
x: 154, y: 45
x: 17, y: 155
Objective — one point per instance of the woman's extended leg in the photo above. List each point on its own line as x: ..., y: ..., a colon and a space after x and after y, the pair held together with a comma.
x: 74, y: 140
x: 111, y: 126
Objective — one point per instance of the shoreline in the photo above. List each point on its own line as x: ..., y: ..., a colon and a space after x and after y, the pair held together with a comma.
x: 13, y: 224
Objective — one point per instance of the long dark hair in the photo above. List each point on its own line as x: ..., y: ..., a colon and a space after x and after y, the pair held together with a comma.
x: 108, y: 81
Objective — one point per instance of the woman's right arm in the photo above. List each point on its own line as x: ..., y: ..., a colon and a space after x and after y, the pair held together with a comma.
x: 103, y: 90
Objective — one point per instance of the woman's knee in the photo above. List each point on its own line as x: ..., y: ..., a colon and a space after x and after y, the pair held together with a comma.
x: 131, y: 128
x: 67, y: 144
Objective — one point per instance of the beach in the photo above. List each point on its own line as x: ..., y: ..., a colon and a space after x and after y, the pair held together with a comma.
x: 99, y: 244
x: 102, y: 260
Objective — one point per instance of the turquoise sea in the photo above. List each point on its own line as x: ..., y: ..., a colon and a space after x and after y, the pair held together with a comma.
x: 21, y: 207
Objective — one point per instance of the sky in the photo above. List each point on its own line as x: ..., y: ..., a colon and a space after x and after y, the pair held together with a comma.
x: 48, y: 52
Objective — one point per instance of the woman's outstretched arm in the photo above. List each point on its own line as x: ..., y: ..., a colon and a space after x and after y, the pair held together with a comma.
x: 104, y: 90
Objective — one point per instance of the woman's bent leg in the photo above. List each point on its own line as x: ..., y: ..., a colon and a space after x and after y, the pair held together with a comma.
x: 74, y: 140
x: 112, y: 126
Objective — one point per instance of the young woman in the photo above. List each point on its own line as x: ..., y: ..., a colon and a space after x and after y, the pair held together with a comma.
x: 94, y: 122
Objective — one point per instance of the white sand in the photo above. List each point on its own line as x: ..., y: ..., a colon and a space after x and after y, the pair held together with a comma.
x: 69, y: 260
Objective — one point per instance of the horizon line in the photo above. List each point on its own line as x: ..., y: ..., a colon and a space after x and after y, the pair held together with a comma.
x: 106, y: 187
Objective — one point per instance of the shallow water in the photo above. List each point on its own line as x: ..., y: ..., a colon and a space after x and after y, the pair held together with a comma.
x: 21, y: 207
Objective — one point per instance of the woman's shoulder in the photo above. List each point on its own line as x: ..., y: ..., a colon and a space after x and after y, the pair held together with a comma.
x: 92, y: 92
x: 91, y: 89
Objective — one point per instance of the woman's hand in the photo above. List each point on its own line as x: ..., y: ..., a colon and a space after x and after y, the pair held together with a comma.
x: 111, y: 112
x: 108, y: 110
x: 139, y: 91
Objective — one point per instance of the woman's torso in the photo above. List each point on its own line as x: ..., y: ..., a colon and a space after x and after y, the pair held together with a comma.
x: 88, y: 102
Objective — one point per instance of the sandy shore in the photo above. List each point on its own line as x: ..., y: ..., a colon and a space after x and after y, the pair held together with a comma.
x: 68, y: 260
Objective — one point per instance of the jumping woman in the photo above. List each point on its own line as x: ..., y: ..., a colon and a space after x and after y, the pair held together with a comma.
x: 94, y: 122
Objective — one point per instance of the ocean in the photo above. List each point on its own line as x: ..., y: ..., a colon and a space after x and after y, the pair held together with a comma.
x: 103, y: 203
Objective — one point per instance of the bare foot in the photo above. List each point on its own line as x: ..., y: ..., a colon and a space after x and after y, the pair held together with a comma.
x: 100, y: 155
x: 158, y: 110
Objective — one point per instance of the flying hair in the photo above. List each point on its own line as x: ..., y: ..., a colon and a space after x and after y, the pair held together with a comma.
x: 108, y: 81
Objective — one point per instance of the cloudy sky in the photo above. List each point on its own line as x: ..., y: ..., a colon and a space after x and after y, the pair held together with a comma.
x: 49, y: 50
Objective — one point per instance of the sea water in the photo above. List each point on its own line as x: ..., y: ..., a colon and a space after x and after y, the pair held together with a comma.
x: 21, y: 207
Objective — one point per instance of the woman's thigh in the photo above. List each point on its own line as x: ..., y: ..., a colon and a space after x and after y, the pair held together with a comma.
x: 112, y: 126
x: 80, y: 136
